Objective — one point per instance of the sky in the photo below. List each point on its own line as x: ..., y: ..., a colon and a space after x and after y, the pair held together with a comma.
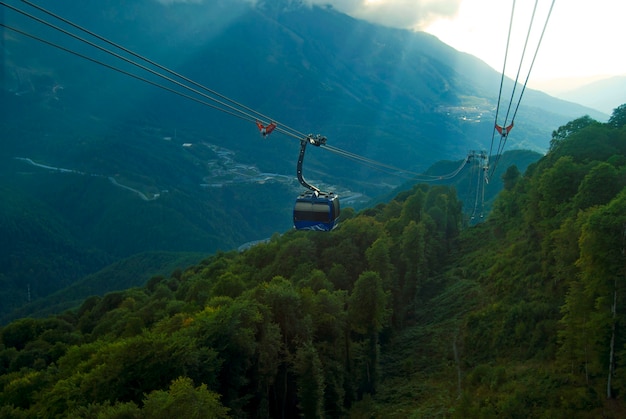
x: 581, y: 42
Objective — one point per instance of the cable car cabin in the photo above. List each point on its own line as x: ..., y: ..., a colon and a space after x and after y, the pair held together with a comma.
x: 318, y: 213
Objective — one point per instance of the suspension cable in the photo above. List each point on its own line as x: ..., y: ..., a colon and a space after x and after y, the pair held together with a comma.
x: 504, y: 136
x: 232, y: 108
x: 392, y: 169
x: 261, y: 116
x: 521, y: 62
x: 119, y: 70
x: 506, y: 54
x: 543, y: 31
x: 116, y: 55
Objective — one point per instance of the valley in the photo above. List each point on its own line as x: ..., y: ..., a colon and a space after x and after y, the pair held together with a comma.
x: 114, y: 167
x: 222, y: 171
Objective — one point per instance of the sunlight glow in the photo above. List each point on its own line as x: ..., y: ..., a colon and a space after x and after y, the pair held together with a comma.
x: 579, y: 40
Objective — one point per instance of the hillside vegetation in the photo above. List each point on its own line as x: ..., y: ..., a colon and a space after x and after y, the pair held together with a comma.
x: 398, y: 313
x: 97, y: 166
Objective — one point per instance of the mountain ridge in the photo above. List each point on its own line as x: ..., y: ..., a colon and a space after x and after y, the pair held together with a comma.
x: 401, y: 98
x: 604, y: 95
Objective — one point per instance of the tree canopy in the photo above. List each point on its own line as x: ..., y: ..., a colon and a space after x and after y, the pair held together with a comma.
x: 404, y: 310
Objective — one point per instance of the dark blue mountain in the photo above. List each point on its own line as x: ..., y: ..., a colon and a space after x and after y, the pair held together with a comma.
x: 402, y: 97
x: 122, y: 166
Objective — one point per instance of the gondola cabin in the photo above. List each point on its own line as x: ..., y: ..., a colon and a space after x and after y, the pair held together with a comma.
x: 316, y: 211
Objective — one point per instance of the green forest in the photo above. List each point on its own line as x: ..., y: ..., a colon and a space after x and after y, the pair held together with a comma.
x: 402, y: 311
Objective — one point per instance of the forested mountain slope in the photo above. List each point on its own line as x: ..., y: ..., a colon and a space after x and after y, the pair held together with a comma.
x: 396, y: 313
x: 545, y: 334
x: 97, y: 166
x: 475, y: 196
x: 288, y: 326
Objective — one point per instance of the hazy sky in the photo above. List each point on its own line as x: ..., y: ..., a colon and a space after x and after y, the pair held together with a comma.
x: 582, y: 39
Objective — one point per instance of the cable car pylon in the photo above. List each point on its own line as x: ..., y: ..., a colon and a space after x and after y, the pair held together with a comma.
x: 481, y: 179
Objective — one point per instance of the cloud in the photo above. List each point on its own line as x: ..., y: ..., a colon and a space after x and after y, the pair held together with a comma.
x: 407, y: 14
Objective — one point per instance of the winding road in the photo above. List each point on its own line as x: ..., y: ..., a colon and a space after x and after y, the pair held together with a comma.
x: 111, y: 179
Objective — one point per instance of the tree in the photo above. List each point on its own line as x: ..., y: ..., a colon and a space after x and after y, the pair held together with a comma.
x: 557, y: 186
x: 316, y: 280
x: 20, y: 332
x: 231, y: 328
x: 20, y: 389
x: 298, y: 252
x: 228, y: 284
x: 331, y: 339
x: 413, y: 243
x: 367, y: 315
x: 367, y: 305
x: 598, y: 186
x: 378, y: 257
x: 310, y: 381
x: 510, y: 177
x: 575, y: 351
x: 564, y: 251
x: 602, y: 276
x: 413, y: 206
x: 570, y: 128
x: 125, y: 369
x: 287, y: 311
x: 618, y: 118
x: 184, y: 401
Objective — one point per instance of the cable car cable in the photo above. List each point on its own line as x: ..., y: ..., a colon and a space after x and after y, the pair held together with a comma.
x: 504, y: 138
x: 519, y: 67
x: 506, y: 53
x: 230, y: 108
x: 161, y: 67
x: 543, y: 31
x: 116, y: 55
x: 119, y: 70
x: 371, y: 163
x: 395, y: 170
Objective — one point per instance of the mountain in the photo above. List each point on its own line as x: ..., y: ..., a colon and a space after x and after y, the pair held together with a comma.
x: 401, y: 312
x: 133, y: 271
x: 98, y: 165
x: 604, y: 95
x: 393, y: 94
